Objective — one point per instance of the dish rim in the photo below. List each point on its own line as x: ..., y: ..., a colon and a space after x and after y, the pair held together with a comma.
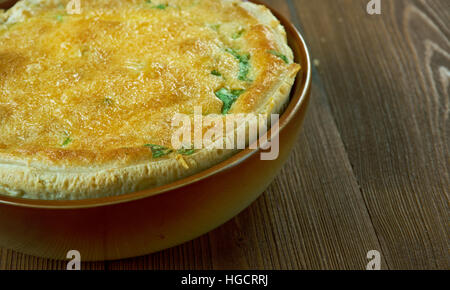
x: 298, y: 94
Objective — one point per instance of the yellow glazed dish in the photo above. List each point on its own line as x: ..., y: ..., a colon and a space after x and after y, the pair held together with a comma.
x: 150, y: 220
x: 87, y: 100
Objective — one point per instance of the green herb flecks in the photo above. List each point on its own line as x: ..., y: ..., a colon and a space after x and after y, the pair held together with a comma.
x: 214, y: 27
x: 185, y: 151
x: 161, y: 6
x: 158, y: 6
x: 282, y: 56
x: 244, y: 69
x: 59, y: 18
x: 216, y: 73
x: 158, y: 150
x: 244, y: 64
x: 67, y: 138
x: 228, y: 98
x: 66, y: 142
x: 238, y: 34
x: 108, y: 101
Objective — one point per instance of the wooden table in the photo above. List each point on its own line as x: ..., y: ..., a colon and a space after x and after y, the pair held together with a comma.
x: 371, y: 169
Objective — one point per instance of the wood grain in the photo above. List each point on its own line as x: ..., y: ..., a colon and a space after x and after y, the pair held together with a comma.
x: 387, y: 83
x: 371, y: 168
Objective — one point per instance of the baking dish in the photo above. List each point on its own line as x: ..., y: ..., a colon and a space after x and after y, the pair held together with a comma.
x: 151, y: 220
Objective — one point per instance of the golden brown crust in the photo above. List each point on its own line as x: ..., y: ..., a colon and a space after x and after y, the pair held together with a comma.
x: 106, y: 125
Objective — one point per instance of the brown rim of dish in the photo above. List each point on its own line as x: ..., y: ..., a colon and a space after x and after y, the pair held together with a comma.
x: 298, y: 95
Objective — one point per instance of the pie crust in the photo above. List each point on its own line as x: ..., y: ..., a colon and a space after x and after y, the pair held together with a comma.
x: 82, y: 94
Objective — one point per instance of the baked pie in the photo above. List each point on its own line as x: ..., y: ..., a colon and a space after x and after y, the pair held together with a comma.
x: 87, y: 97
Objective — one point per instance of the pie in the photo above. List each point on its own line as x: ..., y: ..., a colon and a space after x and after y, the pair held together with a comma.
x: 87, y: 97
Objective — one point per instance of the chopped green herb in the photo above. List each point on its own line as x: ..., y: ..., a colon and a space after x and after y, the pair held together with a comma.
x: 282, y: 56
x: 244, y: 63
x: 185, y: 151
x: 238, y: 34
x: 244, y: 69
x: 228, y: 98
x: 214, y: 27
x: 161, y: 6
x: 216, y: 73
x: 108, y: 101
x: 66, y: 142
x: 158, y: 150
x: 237, y: 92
x: 233, y: 53
x: 59, y: 18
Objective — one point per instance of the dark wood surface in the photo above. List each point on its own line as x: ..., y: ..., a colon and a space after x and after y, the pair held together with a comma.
x: 371, y: 168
